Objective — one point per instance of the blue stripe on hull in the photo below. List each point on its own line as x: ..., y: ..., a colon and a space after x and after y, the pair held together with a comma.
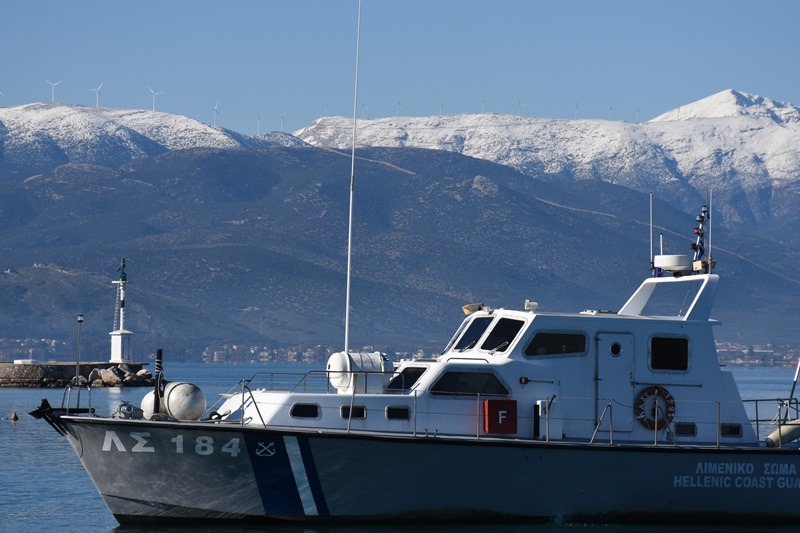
x: 273, y: 472
x: 313, y: 477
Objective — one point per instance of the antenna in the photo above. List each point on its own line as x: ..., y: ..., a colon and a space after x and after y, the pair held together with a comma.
x: 710, y: 259
x: 352, y: 188
x: 154, y: 97
x: 97, y: 99
x: 698, y: 247
x: 53, y: 90
x: 652, y: 263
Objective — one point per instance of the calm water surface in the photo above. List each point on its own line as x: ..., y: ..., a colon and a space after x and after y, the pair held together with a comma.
x: 43, y: 486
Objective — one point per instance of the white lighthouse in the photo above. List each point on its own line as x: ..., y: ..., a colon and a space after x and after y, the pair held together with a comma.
x: 120, y: 338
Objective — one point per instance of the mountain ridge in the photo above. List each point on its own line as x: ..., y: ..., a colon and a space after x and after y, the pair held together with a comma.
x: 246, y: 242
x: 732, y: 103
x: 38, y: 137
x: 749, y: 161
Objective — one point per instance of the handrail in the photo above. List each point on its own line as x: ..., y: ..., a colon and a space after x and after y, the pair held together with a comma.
x: 600, y: 421
x: 715, y: 416
x: 246, y: 386
x: 66, y: 398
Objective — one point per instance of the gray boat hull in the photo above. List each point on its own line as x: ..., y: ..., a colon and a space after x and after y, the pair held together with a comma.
x: 159, y: 471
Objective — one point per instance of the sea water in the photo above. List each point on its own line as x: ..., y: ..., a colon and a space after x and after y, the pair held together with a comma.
x: 43, y: 486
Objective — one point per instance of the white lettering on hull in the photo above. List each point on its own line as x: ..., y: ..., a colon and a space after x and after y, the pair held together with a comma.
x: 739, y: 475
x: 141, y: 442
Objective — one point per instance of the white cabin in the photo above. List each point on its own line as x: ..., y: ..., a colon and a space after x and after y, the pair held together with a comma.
x: 639, y: 375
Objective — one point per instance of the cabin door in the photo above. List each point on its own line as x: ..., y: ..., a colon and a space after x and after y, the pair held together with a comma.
x: 615, y: 380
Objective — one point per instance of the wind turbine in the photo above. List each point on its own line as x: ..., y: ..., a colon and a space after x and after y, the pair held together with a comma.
x: 53, y: 90
x: 97, y: 99
x: 519, y: 106
x: 282, y: 117
x: 216, y: 112
x: 258, y: 134
x: 154, y: 97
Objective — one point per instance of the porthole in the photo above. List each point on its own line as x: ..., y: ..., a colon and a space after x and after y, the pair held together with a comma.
x: 359, y: 411
x: 400, y: 412
x: 615, y: 349
x: 304, y: 410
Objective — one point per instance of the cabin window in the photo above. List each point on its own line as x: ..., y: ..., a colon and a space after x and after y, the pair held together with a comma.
x: 669, y: 353
x: 474, y: 332
x: 731, y: 430
x: 456, y: 335
x: 398, y: 412
x: 304, y: 410
x: 556, y: 343
x: 406, y: 378
x: 358, y: 411
x: 685, y: 429
x: 463, y: 383
x: 502, y: 335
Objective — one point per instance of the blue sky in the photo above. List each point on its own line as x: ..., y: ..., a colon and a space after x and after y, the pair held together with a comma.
x: 295, y: 58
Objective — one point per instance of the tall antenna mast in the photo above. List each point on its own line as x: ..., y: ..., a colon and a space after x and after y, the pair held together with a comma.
x: 652, y: 263
x: 710, y: 259
x: 698, y: 247
x: 352, y: 188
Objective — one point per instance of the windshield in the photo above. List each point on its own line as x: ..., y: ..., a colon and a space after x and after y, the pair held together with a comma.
x: 502, y: 335
x: 474, y: 332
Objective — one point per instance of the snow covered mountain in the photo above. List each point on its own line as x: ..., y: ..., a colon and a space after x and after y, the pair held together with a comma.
x: 732, y: 103
x: 38, y: 137
x: 742, y: 147
x: 233, y: 242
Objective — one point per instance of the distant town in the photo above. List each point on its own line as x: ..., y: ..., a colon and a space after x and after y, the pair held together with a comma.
x: 730, y: 353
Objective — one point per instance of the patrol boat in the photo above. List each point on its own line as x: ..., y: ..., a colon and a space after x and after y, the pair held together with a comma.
x: 525, y: 415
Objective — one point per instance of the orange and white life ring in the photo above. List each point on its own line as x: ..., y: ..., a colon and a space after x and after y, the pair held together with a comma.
x: 654, y: 406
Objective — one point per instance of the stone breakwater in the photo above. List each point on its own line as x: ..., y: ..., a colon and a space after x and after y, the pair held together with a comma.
x: 57, y: 374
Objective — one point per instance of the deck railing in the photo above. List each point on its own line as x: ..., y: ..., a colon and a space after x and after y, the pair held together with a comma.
x: 764, y: 415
